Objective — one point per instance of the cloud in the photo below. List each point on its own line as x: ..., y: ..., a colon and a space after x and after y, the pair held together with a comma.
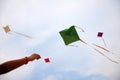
x: 52, y: 77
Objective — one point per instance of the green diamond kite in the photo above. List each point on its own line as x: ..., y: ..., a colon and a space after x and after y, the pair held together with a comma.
x: 69, y: 35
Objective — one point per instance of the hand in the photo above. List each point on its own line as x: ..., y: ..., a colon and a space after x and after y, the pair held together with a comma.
x: 33, y: 57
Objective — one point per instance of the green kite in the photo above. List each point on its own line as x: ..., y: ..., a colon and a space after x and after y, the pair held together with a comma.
x: 70, y: 35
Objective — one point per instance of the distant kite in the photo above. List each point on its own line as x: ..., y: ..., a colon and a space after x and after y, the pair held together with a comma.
x: 47, y: 60
x: 8, y: 30
x: 100, y: 34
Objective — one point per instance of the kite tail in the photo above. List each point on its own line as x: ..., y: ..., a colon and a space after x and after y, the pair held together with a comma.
x: 104, y: 42
x: 23, y: 35
x: 80, y: 28
x: 106, y: 56
x: 101, y: 47
x: 73, y: 45
x: 83, y: 41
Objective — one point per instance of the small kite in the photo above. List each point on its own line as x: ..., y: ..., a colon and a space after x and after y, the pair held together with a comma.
x: 100, y: 34
x: 70, y: 35
x: 8, y: 30
x: 47, y: 60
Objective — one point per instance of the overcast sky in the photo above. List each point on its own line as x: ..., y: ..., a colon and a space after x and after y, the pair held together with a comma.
x: 43, y: 19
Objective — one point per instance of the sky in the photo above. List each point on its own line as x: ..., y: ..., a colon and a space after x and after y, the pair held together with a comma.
x: 42, y: 20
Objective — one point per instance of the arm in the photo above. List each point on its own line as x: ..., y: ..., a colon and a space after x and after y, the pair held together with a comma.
x: 13, y: 64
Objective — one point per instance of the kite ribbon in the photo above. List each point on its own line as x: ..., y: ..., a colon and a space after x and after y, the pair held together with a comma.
x: 101, y: 47
x: 101, y: 52
x: 104, y: 42
x: 78, y: 46
x: 83, y: 41
x: 73, y: 45
x: 80, y: 28
x: 23, y: 35
x: 106, y: 56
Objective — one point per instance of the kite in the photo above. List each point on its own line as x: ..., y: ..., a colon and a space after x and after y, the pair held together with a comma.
x: 100, y: 34
x: 47, y: 60
x: 8, y: 30
x: 70, y: 35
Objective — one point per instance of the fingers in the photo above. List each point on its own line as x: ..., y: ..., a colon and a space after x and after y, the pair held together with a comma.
x: 36, y: 56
